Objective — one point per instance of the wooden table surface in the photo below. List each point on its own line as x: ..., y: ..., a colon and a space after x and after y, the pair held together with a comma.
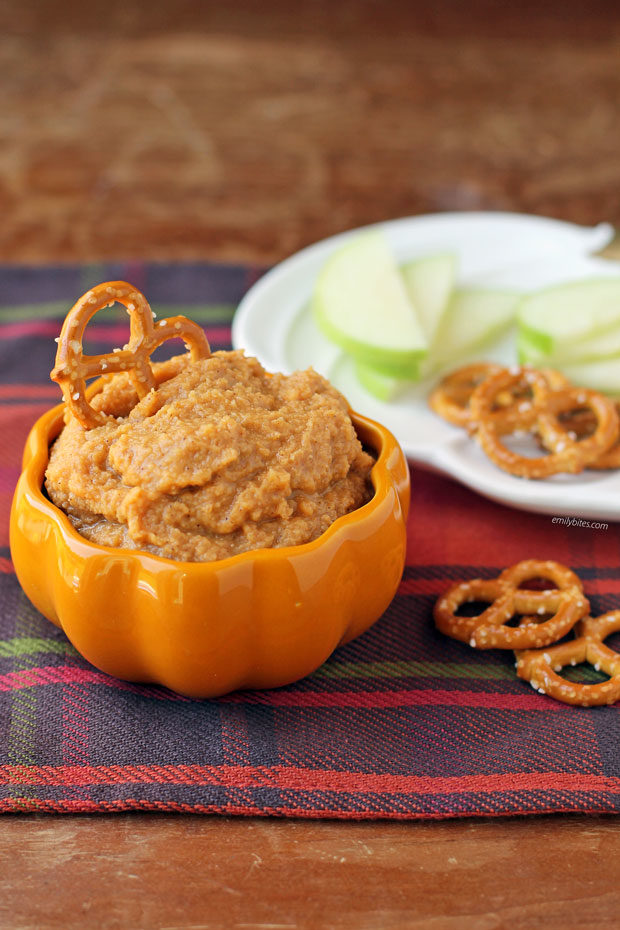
x: 244, y: 131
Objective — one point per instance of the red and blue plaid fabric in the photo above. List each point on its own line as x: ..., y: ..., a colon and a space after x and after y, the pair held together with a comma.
x: 403, y: 723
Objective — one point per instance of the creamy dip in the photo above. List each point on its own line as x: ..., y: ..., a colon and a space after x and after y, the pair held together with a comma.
x: 222, y: 458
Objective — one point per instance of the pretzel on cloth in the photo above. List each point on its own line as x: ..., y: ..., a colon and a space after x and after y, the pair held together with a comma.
x: 567, y: 454
x: 541, y: 666
x: 72, y: 367
x: 565, y: 603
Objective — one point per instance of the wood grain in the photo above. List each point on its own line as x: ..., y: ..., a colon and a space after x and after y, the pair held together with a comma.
x: 246, y: 131
x: 243, y: 131
x: 193, y: 873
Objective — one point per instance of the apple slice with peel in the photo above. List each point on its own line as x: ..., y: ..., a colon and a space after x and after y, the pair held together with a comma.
x: 383, y: 387
x: 430, y: 282
x: 474, y: 318
x: 557, y: 319
x: 597, y: 347
x: 360, y: 302
x: 603, y: 375
x: 530, y: 353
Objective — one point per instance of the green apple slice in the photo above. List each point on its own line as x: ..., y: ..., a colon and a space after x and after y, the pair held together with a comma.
x: 360, y: 303
x: 556, y: 318
x: 603, y: 376
x: 474, y: 318
x: 430, y: 282
x: 529, y: 353
x: 383, y: 387
x: 600, y: 346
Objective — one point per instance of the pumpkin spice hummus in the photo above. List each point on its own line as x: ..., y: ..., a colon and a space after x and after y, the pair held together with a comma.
x: 218, y: 459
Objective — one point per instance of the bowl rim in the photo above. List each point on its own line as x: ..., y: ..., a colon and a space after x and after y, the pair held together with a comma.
x: 49, y: 425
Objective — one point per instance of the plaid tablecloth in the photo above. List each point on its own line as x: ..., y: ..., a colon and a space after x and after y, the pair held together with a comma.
x: 403, y: 723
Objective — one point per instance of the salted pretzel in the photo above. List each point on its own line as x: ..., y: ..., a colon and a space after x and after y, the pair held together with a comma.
x: 580, y: 423
x: 567, y: 454
x: 72, y: 367
x: 546, y: 614
x: 512, y: 408
x: 541, y: 666
x: 450, y: 399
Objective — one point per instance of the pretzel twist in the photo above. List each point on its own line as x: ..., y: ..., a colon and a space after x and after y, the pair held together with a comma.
x: 565, y: 603
x: 568, y: 454
x: 579, y: 423
x: 541, y: 666
x: 72, y: 367
x: 450, y: 399
x: 512, y: 408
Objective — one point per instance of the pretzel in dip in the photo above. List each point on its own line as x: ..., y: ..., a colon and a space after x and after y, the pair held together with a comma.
x: 72, y: 367
x: 201, y: 457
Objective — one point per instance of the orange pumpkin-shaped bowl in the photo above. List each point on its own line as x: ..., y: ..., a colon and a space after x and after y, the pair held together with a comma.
x: 256, y: 620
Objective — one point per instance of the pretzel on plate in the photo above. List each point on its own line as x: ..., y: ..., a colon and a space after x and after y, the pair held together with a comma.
x: 450, y: 399
x: 565, y: 603
x: 72, y: 367
x: 567, y: 454
x: 541, y: 666
x: 579, y: 423
x: 511, y: 407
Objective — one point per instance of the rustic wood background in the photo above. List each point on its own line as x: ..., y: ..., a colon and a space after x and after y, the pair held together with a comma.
x: 249, y: 129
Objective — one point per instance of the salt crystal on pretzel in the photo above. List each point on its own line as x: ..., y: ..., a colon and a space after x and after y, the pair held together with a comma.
x: 579, y: 423
x: 513, y: 408
x: 541, y: 666
x: 450, y: 399
x: 565, y: 603
x: 72, y: 367
x: 567, y: 455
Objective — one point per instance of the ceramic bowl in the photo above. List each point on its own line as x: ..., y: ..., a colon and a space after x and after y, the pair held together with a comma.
x: 256, y: 620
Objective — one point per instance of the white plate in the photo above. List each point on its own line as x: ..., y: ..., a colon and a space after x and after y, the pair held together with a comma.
x: 274, y: 323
